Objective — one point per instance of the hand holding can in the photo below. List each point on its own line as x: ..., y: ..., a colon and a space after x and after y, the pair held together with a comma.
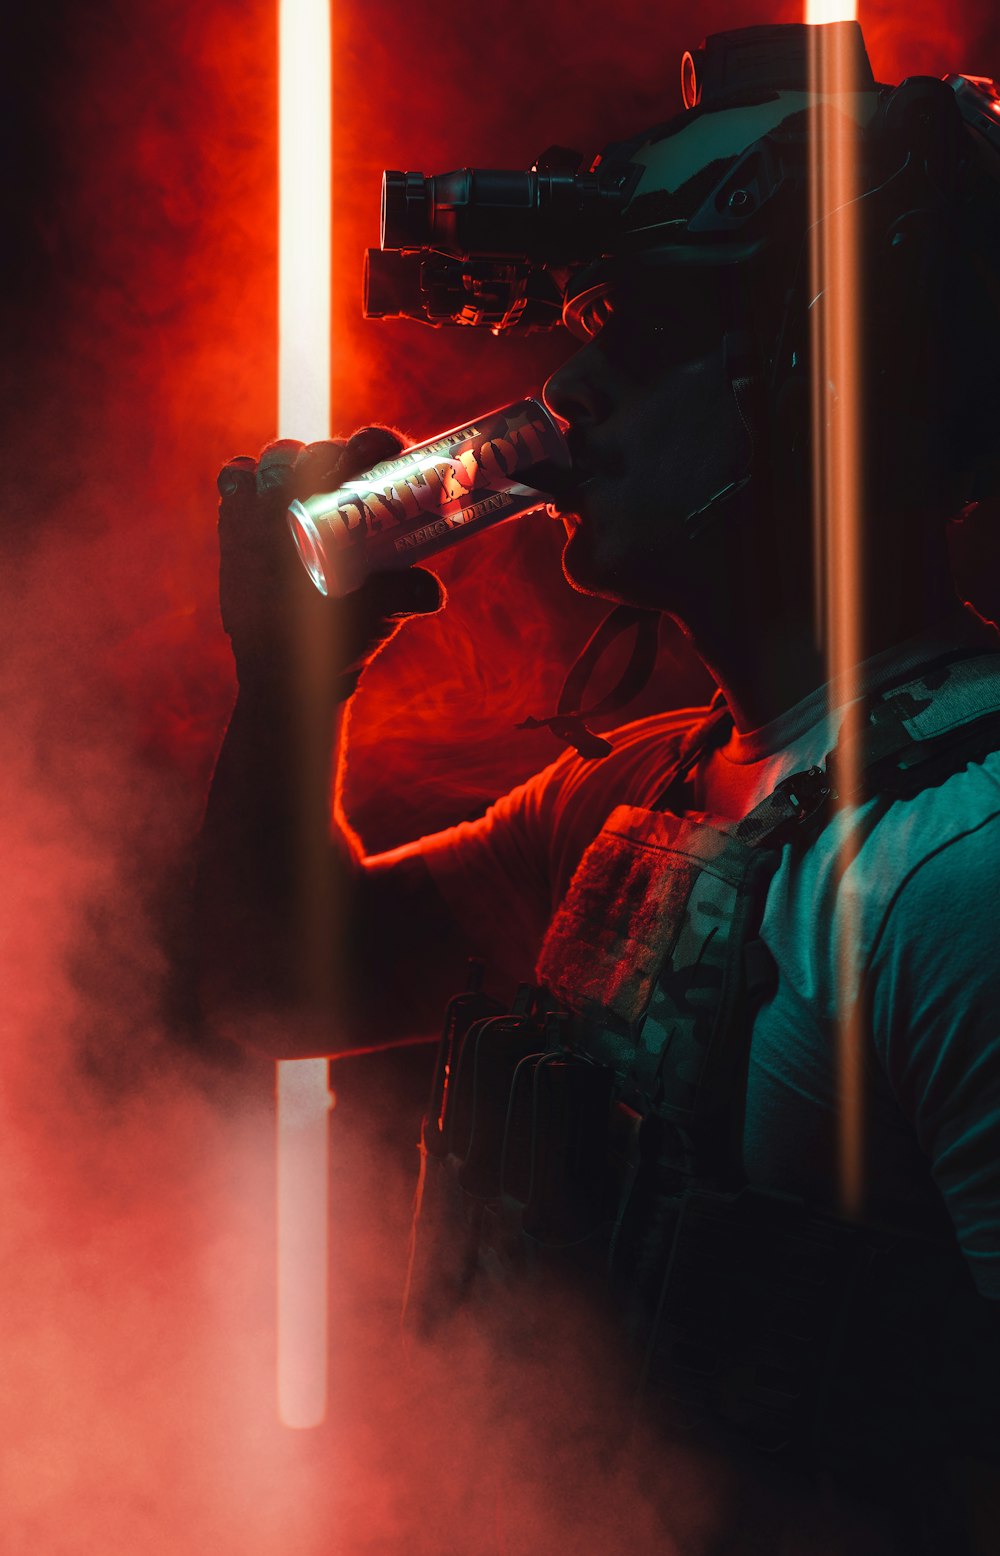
x: 269, y: 609
x: 429, y: 497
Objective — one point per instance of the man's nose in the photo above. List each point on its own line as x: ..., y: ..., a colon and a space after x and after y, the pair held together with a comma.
x: 579, y: 391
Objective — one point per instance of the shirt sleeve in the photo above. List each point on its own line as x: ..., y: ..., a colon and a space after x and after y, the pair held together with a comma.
x: 495, y: 874
x: 936, y: 1028
x: 502, y: 875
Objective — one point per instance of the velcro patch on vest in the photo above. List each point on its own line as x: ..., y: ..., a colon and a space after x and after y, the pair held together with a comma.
x: 938, y: 702
x: 624, y: 910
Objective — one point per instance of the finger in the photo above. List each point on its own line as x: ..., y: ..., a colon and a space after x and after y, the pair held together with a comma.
x: 274, y: 467
x: 412, y: 592
x: 238, y: 475
x: 318, y: 466
x: 370, y: 446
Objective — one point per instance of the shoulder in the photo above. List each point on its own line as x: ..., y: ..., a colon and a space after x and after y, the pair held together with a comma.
x: 639, y: 753
x: 879, y: 892
x: 632, y: 772
x: 940, y: 846
x: 547, y: 822
x: 933, y: 968
x: 575, y: 797
x: 933, y: 995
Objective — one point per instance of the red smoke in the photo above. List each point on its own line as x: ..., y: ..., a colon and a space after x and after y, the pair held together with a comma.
x: 140, y: 290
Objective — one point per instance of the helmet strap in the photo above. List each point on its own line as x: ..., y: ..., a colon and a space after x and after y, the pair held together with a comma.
x: 742, y: 370
x: 568, y: 723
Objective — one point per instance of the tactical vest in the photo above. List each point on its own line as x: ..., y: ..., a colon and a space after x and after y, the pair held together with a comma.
x: 599, y: 1124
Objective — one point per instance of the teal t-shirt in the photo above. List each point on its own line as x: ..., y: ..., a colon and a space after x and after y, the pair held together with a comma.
x: 894, y: 947
x: 904, y: 938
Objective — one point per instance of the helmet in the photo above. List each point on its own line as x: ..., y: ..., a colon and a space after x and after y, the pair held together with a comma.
x: 720, y: 201
x: 715, y: 185
x: 720, y: 198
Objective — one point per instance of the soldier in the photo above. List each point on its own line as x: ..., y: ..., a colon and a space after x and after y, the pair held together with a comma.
x: 717, y: 907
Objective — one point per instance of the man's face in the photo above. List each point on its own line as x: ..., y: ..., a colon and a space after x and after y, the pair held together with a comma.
x: 653, y: 427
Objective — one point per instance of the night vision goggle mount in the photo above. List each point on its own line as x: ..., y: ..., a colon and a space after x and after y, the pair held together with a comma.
x: 491, y: 247
x: 507, y: 249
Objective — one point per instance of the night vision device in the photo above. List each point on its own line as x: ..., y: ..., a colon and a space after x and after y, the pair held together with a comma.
x: 719, y: 184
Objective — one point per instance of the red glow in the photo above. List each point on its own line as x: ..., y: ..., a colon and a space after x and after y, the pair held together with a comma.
x: 138, y: 1299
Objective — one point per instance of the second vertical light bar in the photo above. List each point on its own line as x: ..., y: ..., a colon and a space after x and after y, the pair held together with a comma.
x: 303, y: 1098
x: 837, y: 495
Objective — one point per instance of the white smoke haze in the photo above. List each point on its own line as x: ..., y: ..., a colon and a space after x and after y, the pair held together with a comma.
x: 138, y: 1249
x: 137, y: 1403
x: 138, y: 1399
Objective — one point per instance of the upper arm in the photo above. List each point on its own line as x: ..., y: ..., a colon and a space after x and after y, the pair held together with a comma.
x: 936, y: 1028
x: 487, y: 888
x: 481, y: 888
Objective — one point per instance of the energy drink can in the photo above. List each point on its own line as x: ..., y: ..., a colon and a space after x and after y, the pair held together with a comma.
x: 427, y: 498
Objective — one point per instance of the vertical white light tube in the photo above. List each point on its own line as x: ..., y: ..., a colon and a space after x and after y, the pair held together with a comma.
x: 303, y: 1099
x: 303, y: 1109
x: 304, y: 115
x: 831, y: 11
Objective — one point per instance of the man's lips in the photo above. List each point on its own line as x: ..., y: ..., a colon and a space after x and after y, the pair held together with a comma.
x: 583, y: 471
x: 568, y: 503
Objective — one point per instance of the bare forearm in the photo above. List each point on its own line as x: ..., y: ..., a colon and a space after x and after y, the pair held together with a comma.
x: 303, y: 947
x: 275, y: 882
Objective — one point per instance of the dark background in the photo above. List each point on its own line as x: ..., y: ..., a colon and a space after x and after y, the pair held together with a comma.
x: 138, y: 269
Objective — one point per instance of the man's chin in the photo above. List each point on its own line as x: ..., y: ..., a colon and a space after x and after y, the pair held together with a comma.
x: 586, y: 571
x: 633, y: 579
